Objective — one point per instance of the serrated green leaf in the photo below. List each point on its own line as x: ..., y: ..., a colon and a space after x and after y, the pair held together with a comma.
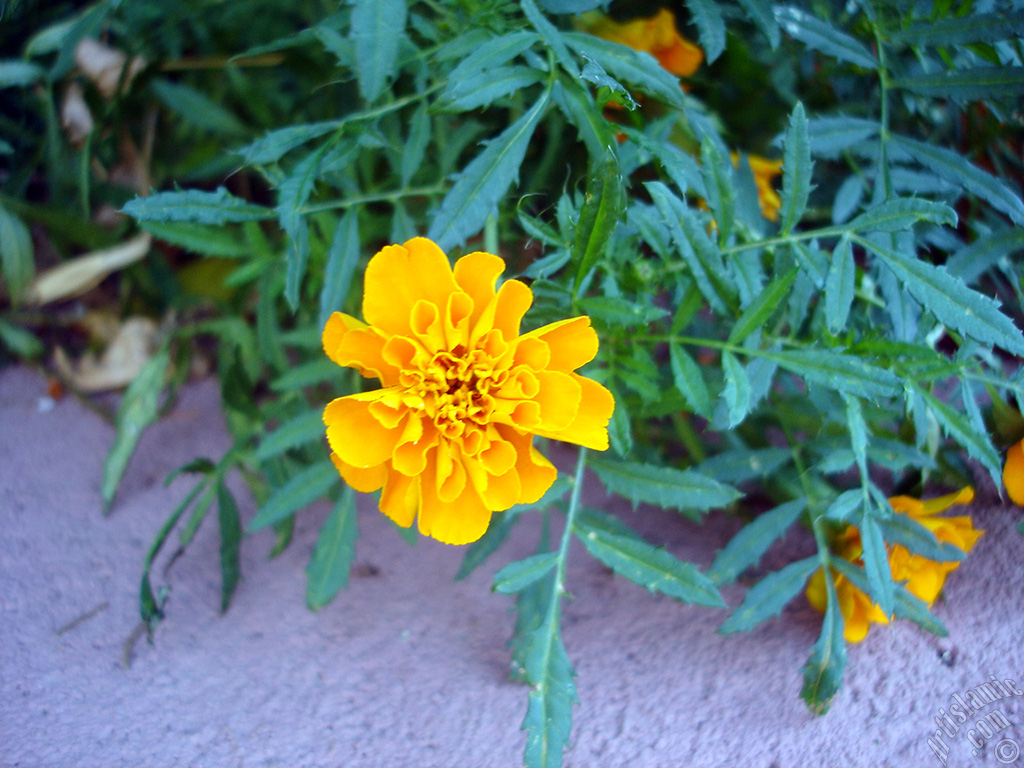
x: 342, y: 259
x: 603, y: 206
x: 548, y: 720
x: 823, y: 673
x: 907, y: 606
x: 615, y: 311
x: 906, y: 531
x: 198, y: 109
x: 487, y: 86
x: 491, y: 54
x: 297, y: 431
x: 522, y: 573
x: 139, y: 408
x: 276, y: 144
x: 970, y: 263
x: 737, y: 393
x: 631, y: 67
x: 901, y: 213
x: 301, y: 490
x: 824, y: 37
x: 742, y: 464
x: 650, y: 567
x: 376, y: 31
x: 966, y: 84
x: 962, y: 30
x: 979, y: 445
x: 746, y: 547
x: 876, y: 562
x: 685, y: 490
x: 17, y: 264
x: 594, y: 73
x: 292, y: 194
x: 484, y: 182
x: 329, y: 567
x: 230, y: 540
x: 571, y: 6
x: 416, y: 144
x: 196, y: 238
x: 767, y: 302
x: 717, y: 171
x: 840, y: 283
x: 837, y: 371
x: 18, y: 74
x: 953, y: 303
x: 707, y: 17
x: 551, y: 36
x: 196, y: 205
x: 796, y: 170
x: 681, y: 168
x: 761, y: 12
x: 766, y: 598
x: 579, y: 109
x: 830, y: 136
x: 952, y: 167
x: 689, y: 381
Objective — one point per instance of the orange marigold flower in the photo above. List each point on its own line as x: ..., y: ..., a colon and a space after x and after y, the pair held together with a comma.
x: 657, y: 35
x: 1013, y: 473
x: 449, y: 435
x: 764, y: 171
x: 922, y: 577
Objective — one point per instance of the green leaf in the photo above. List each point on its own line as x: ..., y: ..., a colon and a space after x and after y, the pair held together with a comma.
x: 21, y: 342
x: 198, y: 109
x: 685, y: 490
x: 16, y: 254
x: 737, y: 392
x: 953, y: 303
x: 196, y: 238
x: 635, y: 68
x: 303, y: 375
x: 594, y: 73
x: 276, y: 144
x: 551, y: 36
x: 416, y: 144
x: 18, y: 74
x: 966, y: 84
x: 952, y: 167
x: 764, y: 306
x: 487, y: 86
x: 717, y: 171
x: 614, y: 311
x: 139, y: 409
x: 603, y: 207
x: 522, y: 573
x: 741, y: 464
x: 900, y: 213
x: 302, y: 429
x: 831, y: 136
x: 907, y: 606
x: 342, y: 260
x: 301, y: 489
x: 979, y: 445
x: 689, y: 381
x: 707, y: 17
x: 837, y: 371
x: 962, y: 30
x: 376, y: 31
x: 824, y: 37
x: 571, y: 6
x: 329, y: 567
x: 876, y: 562
x: 796, y: 170
x: 648, y: 566
x: 548, y: 720
x: 292, y: 194
x: 823, y: 673
x: 840, y: 283
x: 970, y: 263
x: 483, y: 183
x: 230, y: 539
x: 761, y: 13
x: 906, y: 531
x: 746, y: 547
x: 766, y: 598
x: 489, y: 55
x: 579, y: 109
x: 196, y: 205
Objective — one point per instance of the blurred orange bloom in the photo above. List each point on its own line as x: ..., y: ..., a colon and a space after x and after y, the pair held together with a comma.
x: 922, y: 577
x: 1013, y: 473
x: 449, y: 435
x: 657, y: 35
x: 764, y: 171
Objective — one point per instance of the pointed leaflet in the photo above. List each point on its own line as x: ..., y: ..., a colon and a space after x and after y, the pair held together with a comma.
x: 276, y: 144
x: 579, y: 109
x: 302, y: 488
x: 548, y: 718
x: 977, y: 28
x: 823, y: 673
x: 708, y: 19
x: 736, y: 395
x: 838, y: 371
x: 763, y: 306
x: 196, y: 205
x: 970, y: 263
x: 302, y: 429
x: 720, y: 185
x: 198, y: 238
x: 753, y: 540
x: 376, y: 31
x: 230, y: 539
x: 876, y: 562
x: 603, y: 206
x: 689, y: 381
x: 485, y: 57
x: 796, y: 170
x: 484, y: 182
x: 342, y: 258
x: 906, y: 531
x: 761, y: 12
x: 648, y: 566
x: 138, y: 410
x: 907, y: 606
x: 953, y: 303
x: 329, y: 567
x: 900, y: 213
x: 551, y: 36
x: 663, y: 486
x: 489, y: 85
x: 522, y: 573
x: 839, y: 286
x: 829, y: 136
x: 16, y: 262
x: 823, y: 37
x: 766, y: 598
x: 292, y: 194
x: 966, y: 84
x: 952, y: 167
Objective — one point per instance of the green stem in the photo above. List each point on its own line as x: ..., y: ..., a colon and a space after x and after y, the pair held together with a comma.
x: 563, y: 547
x: 379, y: 197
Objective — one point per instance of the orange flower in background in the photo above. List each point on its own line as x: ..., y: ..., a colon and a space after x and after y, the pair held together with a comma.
x: 764, y: 171
x: 1013, y: 473
x: 657, y: 35
x: 449, y: 435
x: 922, y: 577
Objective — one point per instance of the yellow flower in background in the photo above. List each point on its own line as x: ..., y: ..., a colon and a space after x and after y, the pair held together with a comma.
x: 657, y: 35
x: 449, y: 435
x: 764, y: 171
x: 1013, y: 473
x: 922, y: 577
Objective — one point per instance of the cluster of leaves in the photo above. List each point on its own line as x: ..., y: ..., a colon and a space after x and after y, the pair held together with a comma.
x: 846, y: 349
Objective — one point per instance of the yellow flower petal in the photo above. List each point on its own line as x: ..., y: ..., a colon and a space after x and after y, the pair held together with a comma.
x: 358, y: 438
x: 589, y: 427
x: 1013, y: 473
x: 572, y: 342
x: 476, y: 274
x: 399, y: 276
x: 401, y: 498
x: 364, y: 480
